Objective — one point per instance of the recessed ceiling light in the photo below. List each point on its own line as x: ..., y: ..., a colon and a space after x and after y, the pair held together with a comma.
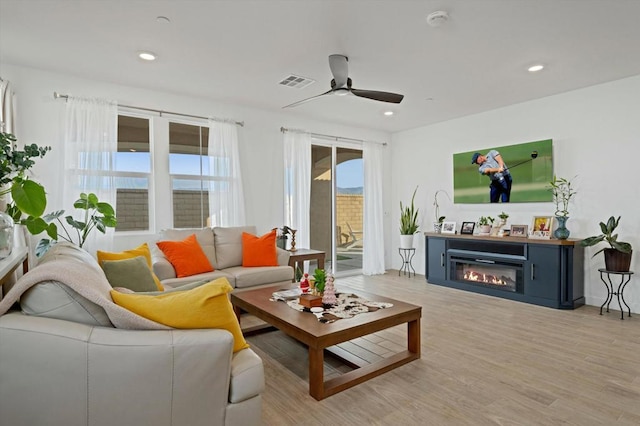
x: 536, y: 68
x: 147, y: 56
x: 388, y: 113
x: 437, y: 18
x: 163, y: 20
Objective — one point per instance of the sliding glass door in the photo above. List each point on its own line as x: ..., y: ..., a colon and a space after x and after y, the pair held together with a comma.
x: 337, y: 184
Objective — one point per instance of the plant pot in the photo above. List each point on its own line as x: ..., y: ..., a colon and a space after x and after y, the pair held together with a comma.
x: 437, y: 227
x: 617, y: 261
x: 485, y: 229
x: 406, y: 241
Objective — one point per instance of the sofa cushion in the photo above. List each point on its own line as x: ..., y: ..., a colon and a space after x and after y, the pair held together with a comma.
x: 228, y: 241
x: 133, y: 274
x: 209, y: 276
x: 259, y: 251
x: 186, y: 256
x: 206, y: 306
x: 141, y: 250
x: 203, y: 235
x: 52, y: 299
x: 249, y: 277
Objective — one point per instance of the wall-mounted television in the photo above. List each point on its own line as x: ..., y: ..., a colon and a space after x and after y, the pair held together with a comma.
x: 527, y: 171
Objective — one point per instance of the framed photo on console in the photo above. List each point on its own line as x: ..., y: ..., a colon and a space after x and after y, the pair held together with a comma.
x: 541, y: 227
x: 467, y: 228
x: 448, y: 227
x: 518, y: 231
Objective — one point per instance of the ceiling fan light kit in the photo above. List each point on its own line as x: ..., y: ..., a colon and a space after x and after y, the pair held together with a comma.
x: 437, y: 18
x: 341, y: 85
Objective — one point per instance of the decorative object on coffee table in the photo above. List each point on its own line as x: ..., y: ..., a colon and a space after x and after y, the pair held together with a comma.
x: 329, y: 295
x: 310, y: 300
x: 321, y: 278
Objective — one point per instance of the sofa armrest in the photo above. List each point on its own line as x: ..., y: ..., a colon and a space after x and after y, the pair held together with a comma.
x: 162, y: 267
x: 111, y: 376
x: 283, y: 256
x: 247, y: 376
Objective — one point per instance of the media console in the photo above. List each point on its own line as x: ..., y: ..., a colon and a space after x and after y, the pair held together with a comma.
x: 542, y: 272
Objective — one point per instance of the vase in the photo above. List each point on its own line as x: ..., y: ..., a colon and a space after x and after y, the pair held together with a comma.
x: 617, y: 261
x: 561, y: 233
x: 6, y: 235
x: 437, y: 227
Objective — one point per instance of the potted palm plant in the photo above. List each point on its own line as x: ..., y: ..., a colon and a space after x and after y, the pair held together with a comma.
x: 617, y: 257
x: 408, y: 222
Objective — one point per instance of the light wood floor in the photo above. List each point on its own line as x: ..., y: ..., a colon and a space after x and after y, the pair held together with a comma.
x: 485, y: 361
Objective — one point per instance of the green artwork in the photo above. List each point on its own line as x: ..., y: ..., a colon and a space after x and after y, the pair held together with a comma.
x: 530, y: 166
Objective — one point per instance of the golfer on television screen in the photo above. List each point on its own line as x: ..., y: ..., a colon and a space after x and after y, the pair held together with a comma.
x: 493, y: 166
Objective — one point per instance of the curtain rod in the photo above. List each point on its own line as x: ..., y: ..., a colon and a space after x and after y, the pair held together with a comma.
x: 57, y: 95
x: 321, y: 135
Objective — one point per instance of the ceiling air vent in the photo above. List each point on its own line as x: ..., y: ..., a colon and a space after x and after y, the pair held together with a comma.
x: 296, y: 81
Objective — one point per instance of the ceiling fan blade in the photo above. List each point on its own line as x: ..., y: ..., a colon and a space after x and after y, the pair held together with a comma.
x: 339, y: 69
x: 393, y: 98
x: 307, y: 100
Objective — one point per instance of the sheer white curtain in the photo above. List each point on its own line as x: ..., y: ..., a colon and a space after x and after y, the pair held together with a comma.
x: 373, y: 228
x: 226, y: 196
x: 297, y: 184
x: 90, y: 148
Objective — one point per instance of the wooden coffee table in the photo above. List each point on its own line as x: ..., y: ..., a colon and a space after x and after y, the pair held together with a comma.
x: 305, y: 327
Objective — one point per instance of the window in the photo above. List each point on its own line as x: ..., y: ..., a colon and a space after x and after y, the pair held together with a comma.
x: 132, y: 173
x: 189, y: 170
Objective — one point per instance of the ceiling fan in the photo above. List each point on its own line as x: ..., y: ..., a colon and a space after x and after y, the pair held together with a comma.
x: 341, y: 85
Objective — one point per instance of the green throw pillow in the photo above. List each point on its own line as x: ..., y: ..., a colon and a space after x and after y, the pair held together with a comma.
x: 133, y: 274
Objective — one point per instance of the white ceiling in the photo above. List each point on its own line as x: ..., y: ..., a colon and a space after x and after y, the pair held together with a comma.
x: 238, y: 51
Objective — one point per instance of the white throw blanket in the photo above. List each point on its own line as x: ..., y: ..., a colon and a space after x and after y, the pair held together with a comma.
x: 84, y: 280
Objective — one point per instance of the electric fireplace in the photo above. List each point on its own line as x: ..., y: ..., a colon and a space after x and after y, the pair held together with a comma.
x: 499, y: 275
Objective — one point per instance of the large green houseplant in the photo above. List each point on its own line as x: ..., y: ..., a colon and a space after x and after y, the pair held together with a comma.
x: 408, y: 222
x: 617, y: 257
x: 27, y: 196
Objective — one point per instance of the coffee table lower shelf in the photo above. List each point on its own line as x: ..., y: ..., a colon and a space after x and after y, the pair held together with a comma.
x: 320, y: 337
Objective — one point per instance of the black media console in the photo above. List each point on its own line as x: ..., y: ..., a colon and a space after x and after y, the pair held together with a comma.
x: 541, y: 272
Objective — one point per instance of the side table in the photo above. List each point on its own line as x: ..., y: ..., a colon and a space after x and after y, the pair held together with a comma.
x: 9, y: 264
x: 625, y: 277
x: 300, y: 255
x: 406, y: 254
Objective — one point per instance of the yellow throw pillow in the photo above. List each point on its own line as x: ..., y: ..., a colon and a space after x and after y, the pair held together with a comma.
x: 142, y: 250
x: 207, y: 306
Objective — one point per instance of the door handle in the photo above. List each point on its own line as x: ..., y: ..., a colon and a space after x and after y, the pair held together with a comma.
x: 442, y: 259
x: 533, y: 275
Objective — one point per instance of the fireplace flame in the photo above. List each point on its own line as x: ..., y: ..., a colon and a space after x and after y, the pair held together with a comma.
x: 484, y: 278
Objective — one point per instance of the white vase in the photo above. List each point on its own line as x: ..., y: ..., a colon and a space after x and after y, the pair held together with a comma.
x: 6, y: 235
x: 406, y: 241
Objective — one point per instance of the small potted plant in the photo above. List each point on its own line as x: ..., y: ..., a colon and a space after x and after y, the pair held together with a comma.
x: 485, y: 223
x: 617, y: 257
x: 562, y: 194
x: 408, y: 223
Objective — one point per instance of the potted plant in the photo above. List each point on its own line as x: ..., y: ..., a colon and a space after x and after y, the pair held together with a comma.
x: 617, y: 257
x: 408, y: 222
x: 437, y: 225
x: 485, y: 223
x: 562, y: 194
x: 495, y: 230
x: 97, y: 215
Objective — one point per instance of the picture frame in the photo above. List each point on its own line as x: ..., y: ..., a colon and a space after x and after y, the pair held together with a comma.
x: 541, y: 227
x: 448, y: 227
x: 467, y: 228
x: 519, y: 231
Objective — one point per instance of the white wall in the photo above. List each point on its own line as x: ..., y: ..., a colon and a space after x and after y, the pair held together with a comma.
x: 596, y: 137
x: 39, y: 120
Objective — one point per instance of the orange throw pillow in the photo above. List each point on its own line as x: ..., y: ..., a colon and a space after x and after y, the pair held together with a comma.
x: 259, y: 251
x: 186, y: 256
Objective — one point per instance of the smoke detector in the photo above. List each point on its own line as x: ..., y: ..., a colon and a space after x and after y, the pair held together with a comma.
x: 435, y: 19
